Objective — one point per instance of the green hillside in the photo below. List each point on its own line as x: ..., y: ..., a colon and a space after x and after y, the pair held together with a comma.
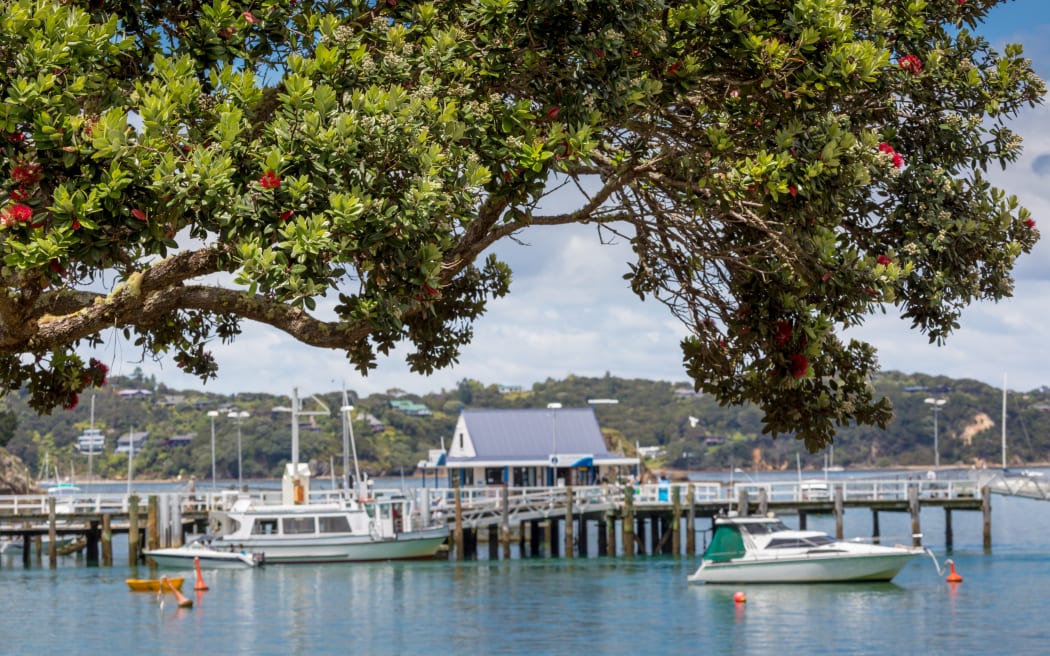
x: 692, y: 432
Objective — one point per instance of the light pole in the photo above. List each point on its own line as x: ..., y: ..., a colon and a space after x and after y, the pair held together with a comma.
x: 935, y: 407
x: 213, y: 414
x: 554, y: 407
x: 239, y: 418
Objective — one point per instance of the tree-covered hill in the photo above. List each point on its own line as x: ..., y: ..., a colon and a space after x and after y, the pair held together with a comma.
x: 691, y: 430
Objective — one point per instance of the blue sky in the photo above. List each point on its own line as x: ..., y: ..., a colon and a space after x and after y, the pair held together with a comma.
x: 570, y: 312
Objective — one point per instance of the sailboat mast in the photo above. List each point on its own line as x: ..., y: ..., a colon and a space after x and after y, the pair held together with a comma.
x: 295, y: 429
x: 1004, y: 421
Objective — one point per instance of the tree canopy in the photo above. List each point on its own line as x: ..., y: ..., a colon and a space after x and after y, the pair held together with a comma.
x: 337, y: 170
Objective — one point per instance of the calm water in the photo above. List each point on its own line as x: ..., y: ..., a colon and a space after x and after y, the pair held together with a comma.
x: 553, y: 606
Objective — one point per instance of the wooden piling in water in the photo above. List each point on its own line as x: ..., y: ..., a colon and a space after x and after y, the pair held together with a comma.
x: 948, y: 537
x: 152, y: 523
x: 627, y: 523
x: 640, y: 535
x: 603, y: 535
x: 52, y: 534
x: 569, y: 541
x: 610, y: 539
x: 504, y: 525
x: 763, y: 501
x: 552, y: 537
x: 875, y: 537
x: 676, y: 518
x: 742, y: 504
x: 838, y: 512
x: 107, y: 541
x: 986, y: 511
x: 535, y: 537
x: 494, y: 541
x: 690, y: 524
x: 133, y: 530
x: 458, y: 537
x: 913, y: 508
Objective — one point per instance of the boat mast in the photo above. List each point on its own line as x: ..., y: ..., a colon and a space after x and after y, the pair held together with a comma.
x: 91, y: 444
x: 1004, y: 421
x: 349, y: 445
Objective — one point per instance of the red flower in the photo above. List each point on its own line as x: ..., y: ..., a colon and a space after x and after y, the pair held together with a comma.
x: 799, y: 365
x: 598, y: 52
x: 26, y: 174
x: 18, y: 194
x: 21, y: 212
x: 269, y: 180
x: 884, y: 260
x: 886, y: 148
x: 16, y: 137
x: 552, y: 113
x: 430, y: 290
x: 72, y: 401
x: 250, y: 17
x: 911, y: 63
x: 287, y: 214
x: 138, y: 214
x: 76, y: 224
x: 673, y: 68
x: 783, y: 334
x: 898, y: 160
x: 1030, y: 223
x: 793, y: 190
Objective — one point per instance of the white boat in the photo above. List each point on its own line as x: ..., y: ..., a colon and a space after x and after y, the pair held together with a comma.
x: 209, y: 556
x: 350, y: 529
x: 765, y: 550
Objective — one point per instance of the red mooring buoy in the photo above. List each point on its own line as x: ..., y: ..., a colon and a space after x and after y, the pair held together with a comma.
x: 953, y: 576
x: 201, y: 585
x: 739, y: 597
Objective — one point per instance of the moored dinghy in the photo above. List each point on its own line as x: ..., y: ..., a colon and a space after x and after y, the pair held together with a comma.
x: 765, y: 550
x: 201, y: 550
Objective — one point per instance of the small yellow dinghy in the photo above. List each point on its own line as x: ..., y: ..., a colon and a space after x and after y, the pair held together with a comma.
x: 154, y: 585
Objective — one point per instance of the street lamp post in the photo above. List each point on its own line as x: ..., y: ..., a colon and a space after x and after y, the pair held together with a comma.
x: 554, y: 407
x: 213, y: 414
x: 935, y: 406
x: 239, y: 418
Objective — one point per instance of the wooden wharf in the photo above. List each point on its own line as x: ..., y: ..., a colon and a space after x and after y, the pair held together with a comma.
x: 627, y: 520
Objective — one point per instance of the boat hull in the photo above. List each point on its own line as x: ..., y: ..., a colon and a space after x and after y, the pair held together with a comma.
x: 209, y: 558
x: 153, y: 585
x: 417, y: 545
x: 806, y: 569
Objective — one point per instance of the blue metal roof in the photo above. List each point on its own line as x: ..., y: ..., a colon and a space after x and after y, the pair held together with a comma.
x: 510, y: 434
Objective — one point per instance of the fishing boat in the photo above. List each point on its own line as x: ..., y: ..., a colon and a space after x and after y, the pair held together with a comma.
x: 154, y: 585
x: 202, y: 550
x: 765, y: 550
x: 351, y: 528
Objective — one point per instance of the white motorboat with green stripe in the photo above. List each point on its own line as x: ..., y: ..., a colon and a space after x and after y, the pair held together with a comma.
x: 766, y: 550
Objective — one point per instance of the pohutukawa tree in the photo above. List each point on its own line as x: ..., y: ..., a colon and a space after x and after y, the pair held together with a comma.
x: 782, y: 168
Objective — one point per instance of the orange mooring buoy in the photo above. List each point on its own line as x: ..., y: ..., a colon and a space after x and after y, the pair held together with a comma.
x: 740, y: 597
x: 201, y: 585
x: 182, y: 600
x: 953, y: 576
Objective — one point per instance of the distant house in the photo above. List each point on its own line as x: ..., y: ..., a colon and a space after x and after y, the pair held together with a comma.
x: 135, y: 394
x: 179, y: 440
x: 411, y: 408
x: 510, y: 389
x: 128, y: 440
x: 532, y: 447
x: 687, y: 393
x: 171, y: 400
x: 374, y: 424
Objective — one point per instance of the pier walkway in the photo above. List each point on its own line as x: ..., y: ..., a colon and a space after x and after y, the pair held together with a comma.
x: 666, y: 512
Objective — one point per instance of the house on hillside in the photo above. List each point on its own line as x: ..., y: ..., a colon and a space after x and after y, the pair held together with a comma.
x: 184, y: 439
x: 129, y: 440
x: 532, y: 447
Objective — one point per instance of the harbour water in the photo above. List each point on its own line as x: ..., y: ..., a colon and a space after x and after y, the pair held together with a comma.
x: 557, y: 606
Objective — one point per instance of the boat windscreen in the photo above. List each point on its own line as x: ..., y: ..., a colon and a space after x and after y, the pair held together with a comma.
x: 762, y: 528
x: 726, y: 544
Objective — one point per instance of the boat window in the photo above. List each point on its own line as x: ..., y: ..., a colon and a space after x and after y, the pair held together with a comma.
x: 335, y: 524
x: 265, y: 526
x: 765, y: 527
x: 298, y: 525
x: 799, y: 543
x: 384, y: 511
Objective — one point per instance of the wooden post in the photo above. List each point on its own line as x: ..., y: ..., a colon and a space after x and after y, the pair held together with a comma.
x: 460, y: 551
x: 504, y: 525
x: 640, y: 530
x: 838, y: 512
x: 107, y: 541
x: 742, y: 503
x: 552, y: 537
x: 610, y: 540
x: 913, y: 508
x: 986, y: 510
x: 535, y: 537
x: 133, y: 530
x: 802, y: 520
x: 569, y: 534
x: 875, y: 526
x: 152, y: 524
x: 676, y: 521
x: 494, y: 540
x: 948, y: 538
x: 690, y: 524
x: 763, y: 501
x: 603, y: 536
x: 91, y: 545
x: 629, y: 548
x: 52, y: 534
x: 582, y: 539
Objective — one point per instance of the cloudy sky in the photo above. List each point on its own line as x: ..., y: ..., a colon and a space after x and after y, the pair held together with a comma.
x: 570, y: 312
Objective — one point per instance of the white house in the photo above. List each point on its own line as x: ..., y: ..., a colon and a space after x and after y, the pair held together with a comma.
x: 532, y: 447
x: 125, y: 441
